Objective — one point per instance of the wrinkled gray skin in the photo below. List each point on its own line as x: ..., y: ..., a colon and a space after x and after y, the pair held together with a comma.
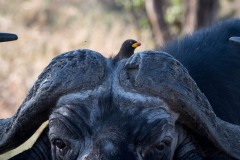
x: 146, y: 107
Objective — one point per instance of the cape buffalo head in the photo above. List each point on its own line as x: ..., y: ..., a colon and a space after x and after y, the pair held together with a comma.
x: 143, y: 107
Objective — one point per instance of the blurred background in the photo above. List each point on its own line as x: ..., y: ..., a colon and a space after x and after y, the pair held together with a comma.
x: 47, y: 28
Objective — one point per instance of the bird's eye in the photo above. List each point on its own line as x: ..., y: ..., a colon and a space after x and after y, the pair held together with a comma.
x: 131, y: 42
x: 59, y: 144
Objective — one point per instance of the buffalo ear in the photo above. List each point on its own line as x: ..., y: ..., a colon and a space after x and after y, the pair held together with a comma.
x: 41, y: 149
x: 73, y: 71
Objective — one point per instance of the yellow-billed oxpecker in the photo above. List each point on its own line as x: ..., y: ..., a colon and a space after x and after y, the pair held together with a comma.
x: 127, y: 49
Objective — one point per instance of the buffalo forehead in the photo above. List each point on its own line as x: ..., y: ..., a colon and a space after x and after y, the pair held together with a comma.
x: 136, y: 81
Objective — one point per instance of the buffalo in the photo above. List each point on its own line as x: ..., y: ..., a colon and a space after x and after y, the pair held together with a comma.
x: 179, y: 102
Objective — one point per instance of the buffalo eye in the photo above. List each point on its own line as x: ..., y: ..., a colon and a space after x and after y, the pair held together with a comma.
x: 163, y: 144
x: 167, y: 141
x: 160, y: 147
x: 59, y: 143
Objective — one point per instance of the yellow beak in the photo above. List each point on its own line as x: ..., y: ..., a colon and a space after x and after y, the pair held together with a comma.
x: 135, y: 45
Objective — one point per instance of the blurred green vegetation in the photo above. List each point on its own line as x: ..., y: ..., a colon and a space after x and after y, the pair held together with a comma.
x: 174, y: 10
x: 49, y: 27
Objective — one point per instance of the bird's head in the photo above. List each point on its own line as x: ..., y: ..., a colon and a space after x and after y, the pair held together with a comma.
x: 127, y: 49
x: 129, y: 46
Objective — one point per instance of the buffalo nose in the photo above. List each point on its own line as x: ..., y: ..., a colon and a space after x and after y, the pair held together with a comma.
x: 108, y: 147
x: 112, y: 150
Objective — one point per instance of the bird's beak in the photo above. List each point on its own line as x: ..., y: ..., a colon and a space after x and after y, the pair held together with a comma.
x: 135, y: 45
x: 4, y: 37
